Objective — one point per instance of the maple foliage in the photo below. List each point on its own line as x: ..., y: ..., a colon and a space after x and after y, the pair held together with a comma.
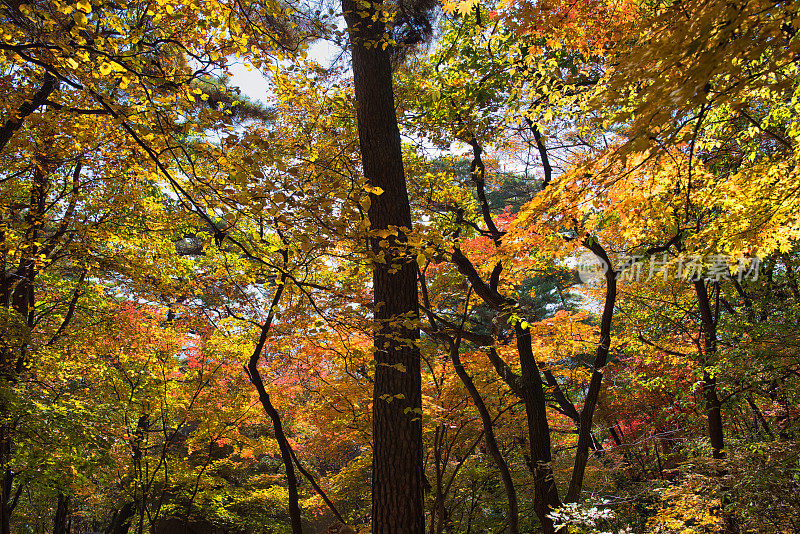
x: 194, y: 285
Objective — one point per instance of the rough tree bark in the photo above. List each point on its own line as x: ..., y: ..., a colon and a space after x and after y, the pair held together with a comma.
x: 397, y: 478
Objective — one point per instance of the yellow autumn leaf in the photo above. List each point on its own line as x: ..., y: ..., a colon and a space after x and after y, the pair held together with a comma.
x: 466, y: 6
x: 554, y: 43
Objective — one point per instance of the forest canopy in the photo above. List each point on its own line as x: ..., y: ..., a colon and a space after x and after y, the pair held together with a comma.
x: 492, y: 266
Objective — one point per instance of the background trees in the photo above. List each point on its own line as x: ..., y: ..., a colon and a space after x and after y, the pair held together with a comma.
x: 358, y: 303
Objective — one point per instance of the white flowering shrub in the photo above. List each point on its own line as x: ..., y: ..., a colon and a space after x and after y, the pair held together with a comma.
x: 591, y: 516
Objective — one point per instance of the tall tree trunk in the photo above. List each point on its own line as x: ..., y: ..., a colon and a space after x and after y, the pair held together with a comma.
x: 121, y: 522
x: 712, y: 402
x: 397, y: 481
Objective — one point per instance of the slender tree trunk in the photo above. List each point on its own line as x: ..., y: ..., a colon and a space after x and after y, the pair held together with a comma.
x: 601, y: 357
x: 759, y: 417
x: 317, y: 488
x: 491, y: 441
x: 713, y: 404
x: 708, y: 322
x: 397, y: 478
x: 280, y: 436
x: 17, y: 292
x: 285, y: 448
x: 437, y: 512
x: 614, y: 436
x: 617, y: 438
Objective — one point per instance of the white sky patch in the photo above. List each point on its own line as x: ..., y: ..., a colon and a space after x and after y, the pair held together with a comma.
x: 325, y: 52
x: 250, y: 81
x: 256, y: 86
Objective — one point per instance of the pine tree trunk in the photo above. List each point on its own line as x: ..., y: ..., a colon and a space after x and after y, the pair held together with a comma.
x: 397, y: 481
